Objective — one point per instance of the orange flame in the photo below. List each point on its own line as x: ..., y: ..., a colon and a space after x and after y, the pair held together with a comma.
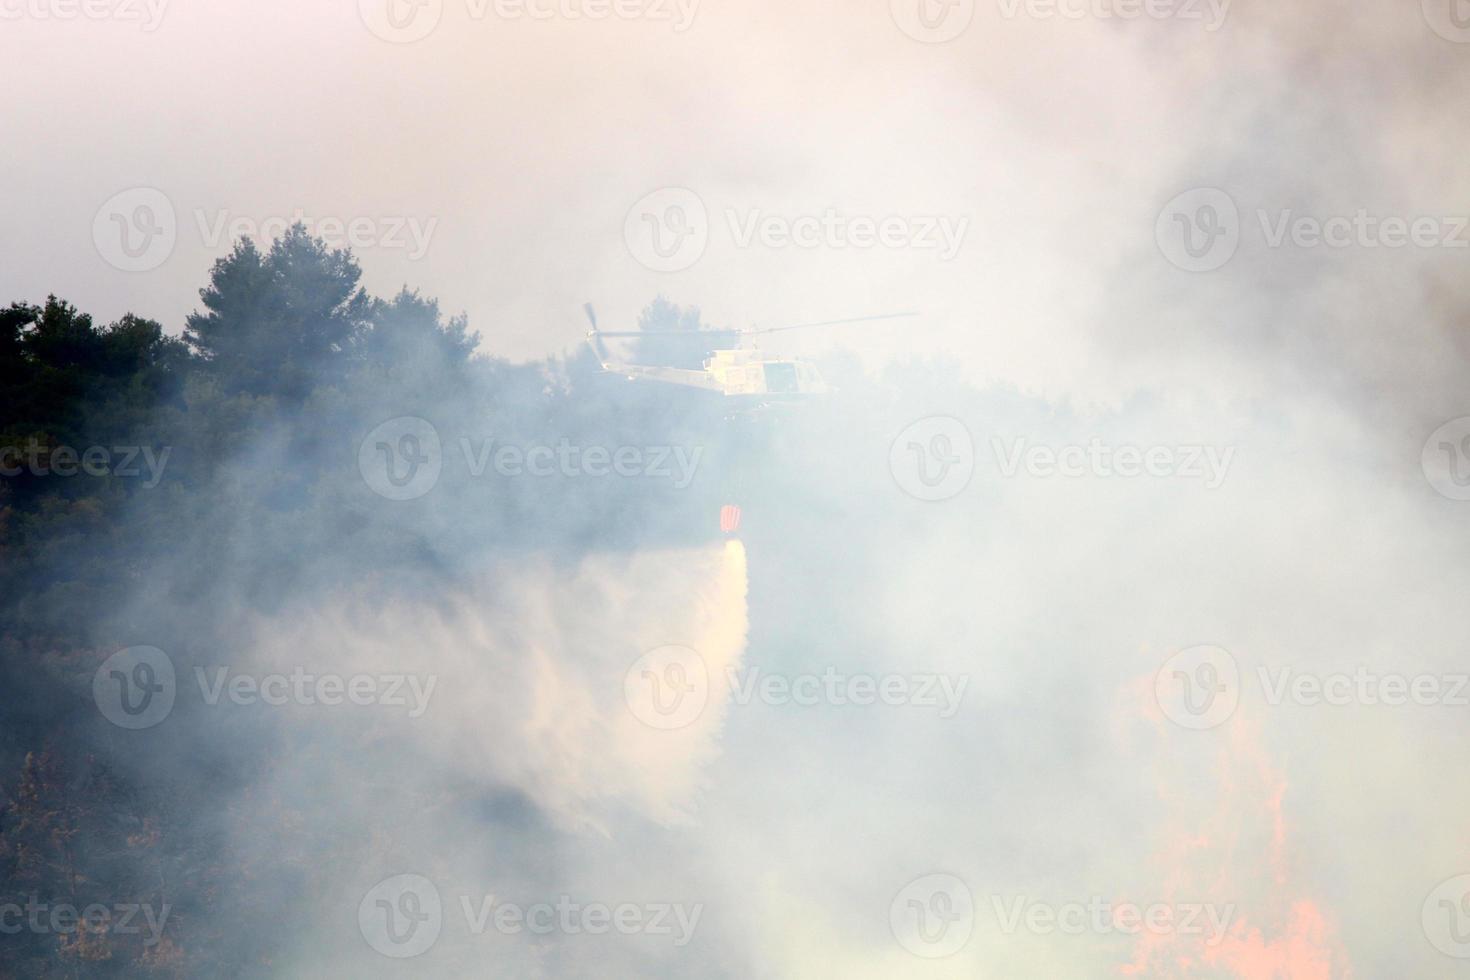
x: 1225, y: 841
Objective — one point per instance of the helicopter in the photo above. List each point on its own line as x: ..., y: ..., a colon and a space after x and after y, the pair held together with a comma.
x: 753, y: 381
x: 746, y: 375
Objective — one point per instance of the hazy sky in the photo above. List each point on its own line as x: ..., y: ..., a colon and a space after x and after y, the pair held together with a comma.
x: 1046, y: 141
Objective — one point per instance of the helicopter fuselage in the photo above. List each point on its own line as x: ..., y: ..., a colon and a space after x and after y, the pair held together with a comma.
x: 747, y: 372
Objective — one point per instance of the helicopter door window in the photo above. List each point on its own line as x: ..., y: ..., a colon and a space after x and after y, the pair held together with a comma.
x: 781, y: 379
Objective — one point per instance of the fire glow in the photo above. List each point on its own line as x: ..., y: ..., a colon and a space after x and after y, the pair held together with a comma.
x: 1224, y: 839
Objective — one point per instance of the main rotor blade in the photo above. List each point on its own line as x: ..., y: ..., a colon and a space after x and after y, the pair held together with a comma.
x: 831, y: 323
x: 664, y: 333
